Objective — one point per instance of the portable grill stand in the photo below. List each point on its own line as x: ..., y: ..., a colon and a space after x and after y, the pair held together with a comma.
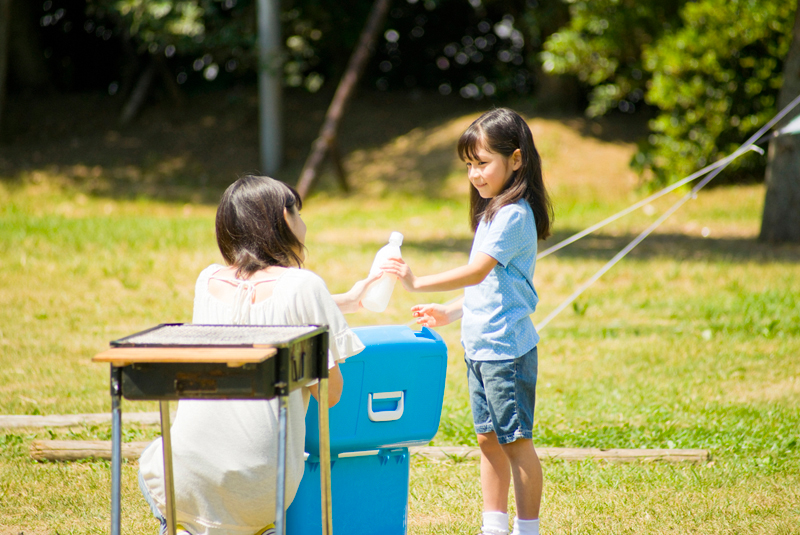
x: 139, y: 372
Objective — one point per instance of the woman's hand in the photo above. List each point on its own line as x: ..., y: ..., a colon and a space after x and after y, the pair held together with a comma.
x: 398, y: 268
x: 434, y: 315
x: 351, y: 301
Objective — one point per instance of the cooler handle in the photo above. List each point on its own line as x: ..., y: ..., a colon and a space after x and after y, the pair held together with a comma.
x: 385, y: 416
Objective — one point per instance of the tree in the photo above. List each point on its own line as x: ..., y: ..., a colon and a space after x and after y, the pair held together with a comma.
x: 602, y: 45
x: 711, y: 69
x: 781, y: 219
x: 5, y: 26
x: 715, y: 81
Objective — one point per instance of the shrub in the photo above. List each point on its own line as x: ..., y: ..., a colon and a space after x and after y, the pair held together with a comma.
x: 715, y: 81
x: 602, y: 45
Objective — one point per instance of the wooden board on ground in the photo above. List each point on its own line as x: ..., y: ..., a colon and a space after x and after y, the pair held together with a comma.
x: 578, y: 454
x: 21, y: 421
x: 71, y: 450
x: 75, y: 450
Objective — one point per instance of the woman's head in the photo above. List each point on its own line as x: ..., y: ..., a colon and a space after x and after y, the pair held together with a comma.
x: 503, y: 133
x: 258, y: 225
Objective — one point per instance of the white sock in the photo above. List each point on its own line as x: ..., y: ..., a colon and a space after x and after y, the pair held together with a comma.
x: 495, y: 523
x: 525, y: 527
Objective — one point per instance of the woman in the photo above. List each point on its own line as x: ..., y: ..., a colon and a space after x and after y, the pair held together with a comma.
x: 225, y: 452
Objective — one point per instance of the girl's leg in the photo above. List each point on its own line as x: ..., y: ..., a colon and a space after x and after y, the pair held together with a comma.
x: 495, y: 473
x: 527, y: 473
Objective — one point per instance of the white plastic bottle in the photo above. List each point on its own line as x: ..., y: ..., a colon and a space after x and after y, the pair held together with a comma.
x: 380, y: 291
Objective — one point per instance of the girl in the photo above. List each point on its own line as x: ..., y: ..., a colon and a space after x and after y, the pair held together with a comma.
x: 509, y: 209
x: 225, y: 452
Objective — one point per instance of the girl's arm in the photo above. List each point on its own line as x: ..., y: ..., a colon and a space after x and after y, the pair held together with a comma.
x: 351, y: 301
x: 460, y: 277
x: 438, y: 315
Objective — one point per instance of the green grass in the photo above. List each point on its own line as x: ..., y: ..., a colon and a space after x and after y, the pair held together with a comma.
x: 691, y: 342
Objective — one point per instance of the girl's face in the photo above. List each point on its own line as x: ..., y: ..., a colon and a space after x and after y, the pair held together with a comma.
x: 296, y: 225
x: 490, y: 172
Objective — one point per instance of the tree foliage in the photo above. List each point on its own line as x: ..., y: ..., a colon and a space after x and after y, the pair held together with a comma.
x: 472, y: 48
x: 475, y: 49
x: 715, y: 81
x: 203, y: 36
x: 711, y: 68
x: 602, y: 44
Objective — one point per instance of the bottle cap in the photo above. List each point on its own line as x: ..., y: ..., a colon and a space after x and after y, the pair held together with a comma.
x: 396, y: 238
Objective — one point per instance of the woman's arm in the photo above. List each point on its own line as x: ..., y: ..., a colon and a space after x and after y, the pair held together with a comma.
x: 335, y: 386
x: 460, y: 277
x: 350, y: 301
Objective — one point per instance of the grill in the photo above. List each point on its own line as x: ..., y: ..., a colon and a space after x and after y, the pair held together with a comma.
x: 190, y: 361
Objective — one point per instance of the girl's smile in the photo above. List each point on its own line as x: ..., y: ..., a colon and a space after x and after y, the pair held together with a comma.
x: 490, y: 171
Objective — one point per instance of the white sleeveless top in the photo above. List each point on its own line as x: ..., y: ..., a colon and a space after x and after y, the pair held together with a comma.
x: 225, y: 452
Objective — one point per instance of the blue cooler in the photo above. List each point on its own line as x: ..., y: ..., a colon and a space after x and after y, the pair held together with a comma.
x: 392, y: 399
x: 369, y: 491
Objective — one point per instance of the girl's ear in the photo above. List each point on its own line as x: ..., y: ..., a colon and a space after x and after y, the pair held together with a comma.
x: 516, y: 160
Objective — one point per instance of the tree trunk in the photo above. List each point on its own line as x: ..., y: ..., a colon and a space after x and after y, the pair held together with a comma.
x: 26, y: 60
x: 138, y: 95
x: 5, y: 29
x: 270, y: 74
x: 781, y: 220
x: 327, y: 134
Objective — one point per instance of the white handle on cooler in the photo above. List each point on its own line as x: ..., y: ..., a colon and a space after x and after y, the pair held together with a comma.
x: 385, y: 416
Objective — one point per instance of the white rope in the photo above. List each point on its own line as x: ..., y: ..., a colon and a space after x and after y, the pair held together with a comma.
x: 611, y: 219
x: 745, y: 147
x: 620, y: 255
x: 749, y: 145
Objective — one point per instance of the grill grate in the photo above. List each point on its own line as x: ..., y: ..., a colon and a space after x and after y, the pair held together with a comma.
x: 194, y: 335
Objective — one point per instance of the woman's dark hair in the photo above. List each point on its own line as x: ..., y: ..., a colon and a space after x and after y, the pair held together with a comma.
x: 252, y: 232
x: 503, y: 131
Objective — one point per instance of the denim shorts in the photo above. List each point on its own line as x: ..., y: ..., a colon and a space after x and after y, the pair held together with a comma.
x: 503, y: 395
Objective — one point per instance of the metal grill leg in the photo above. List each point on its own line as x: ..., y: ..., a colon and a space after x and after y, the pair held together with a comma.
x: 169, y: 483
x: 116, y: 448
x: 325, y: 460
x: 280, y: 504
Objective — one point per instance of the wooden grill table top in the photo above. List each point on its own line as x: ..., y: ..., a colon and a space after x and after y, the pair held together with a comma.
x: 231, y: 356
x: 186, y: 361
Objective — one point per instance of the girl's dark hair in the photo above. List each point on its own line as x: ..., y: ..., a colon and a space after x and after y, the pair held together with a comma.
x: 252, y: 232
x: 503, y: 131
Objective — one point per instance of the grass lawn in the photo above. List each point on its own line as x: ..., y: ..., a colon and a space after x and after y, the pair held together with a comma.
x: 693, y: 341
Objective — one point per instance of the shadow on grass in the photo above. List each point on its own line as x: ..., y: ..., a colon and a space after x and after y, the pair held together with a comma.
x: 679, y: 247
x: 192, y: 153
x: 676, y: 246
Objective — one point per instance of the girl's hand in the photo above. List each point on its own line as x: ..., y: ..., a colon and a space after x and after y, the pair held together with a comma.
x: 398, y: 268
x: 431, y: 315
